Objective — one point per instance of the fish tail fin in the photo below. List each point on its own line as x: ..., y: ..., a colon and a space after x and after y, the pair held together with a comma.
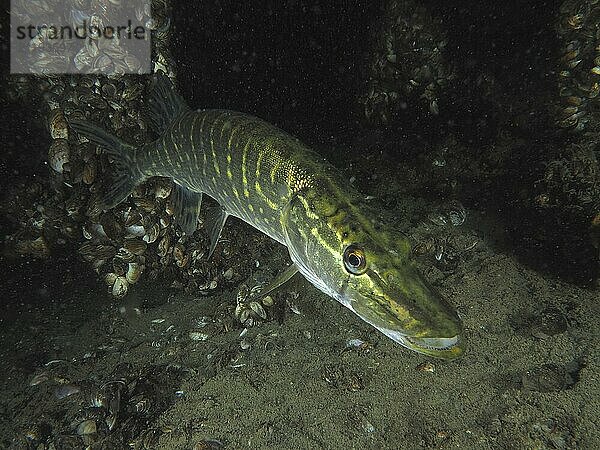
x: 165, y: 104
x: 126, y: 172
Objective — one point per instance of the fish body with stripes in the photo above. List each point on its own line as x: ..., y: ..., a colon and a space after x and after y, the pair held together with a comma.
x: 274, y: 182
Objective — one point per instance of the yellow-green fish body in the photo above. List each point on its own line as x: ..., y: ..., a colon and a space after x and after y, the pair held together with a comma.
x: 248, y: 166
x: 278, y: 185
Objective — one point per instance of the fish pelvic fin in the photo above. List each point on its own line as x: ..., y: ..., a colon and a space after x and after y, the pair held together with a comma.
x: 126, y: 173
x: 165, y: 103
x: 214, y: 223
x: 187, y: 208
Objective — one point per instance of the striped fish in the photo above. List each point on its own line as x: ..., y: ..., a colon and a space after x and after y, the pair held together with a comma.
x: 274, y: 182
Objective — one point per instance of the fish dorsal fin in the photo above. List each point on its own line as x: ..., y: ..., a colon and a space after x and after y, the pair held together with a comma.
x: 214, y: 223
x: 187, y: 208
x: 165, y: 103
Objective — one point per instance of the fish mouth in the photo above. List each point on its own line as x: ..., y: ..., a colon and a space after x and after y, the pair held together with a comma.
x: 446, y: 348
x: 442, y: 347
x: 437, y: 347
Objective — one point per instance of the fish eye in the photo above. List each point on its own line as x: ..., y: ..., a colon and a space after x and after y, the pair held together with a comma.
x: 354, y: 260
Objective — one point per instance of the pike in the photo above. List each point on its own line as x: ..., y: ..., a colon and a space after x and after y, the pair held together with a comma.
x: 274, y: 182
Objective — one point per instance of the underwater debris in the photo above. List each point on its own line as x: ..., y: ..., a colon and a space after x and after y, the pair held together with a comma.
x: 66, y: 390
x: 427, y: 366
x: 208, y: 444
x: 357, y: 345
x: 547, y: 378
x: 549, y: 322
x: 37, y: 248
x: 198, y: 336
x: 338, y: 377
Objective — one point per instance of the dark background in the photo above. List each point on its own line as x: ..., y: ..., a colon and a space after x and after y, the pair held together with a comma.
x: 294, y: 63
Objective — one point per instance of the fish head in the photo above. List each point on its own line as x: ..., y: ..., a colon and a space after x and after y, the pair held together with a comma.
x: 367, y: 267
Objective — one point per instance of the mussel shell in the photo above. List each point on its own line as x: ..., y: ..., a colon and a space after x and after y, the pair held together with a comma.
x: 135, y: 246
x: 120, y: 287
x: 57, y: 123
x: 58, y: 155
x: 111, y: 226
x: 134, y: 270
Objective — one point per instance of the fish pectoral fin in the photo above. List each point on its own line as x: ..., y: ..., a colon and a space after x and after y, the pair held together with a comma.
x: 214, y: 223
x: 187, y: 208
x: 279, y: 280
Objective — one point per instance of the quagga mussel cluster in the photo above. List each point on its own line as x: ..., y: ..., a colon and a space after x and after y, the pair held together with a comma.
x: 406, y: 67
x: 570, y: 186
x: 138, y: 239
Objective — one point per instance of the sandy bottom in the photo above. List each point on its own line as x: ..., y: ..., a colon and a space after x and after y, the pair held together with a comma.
x: 186, y: 379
